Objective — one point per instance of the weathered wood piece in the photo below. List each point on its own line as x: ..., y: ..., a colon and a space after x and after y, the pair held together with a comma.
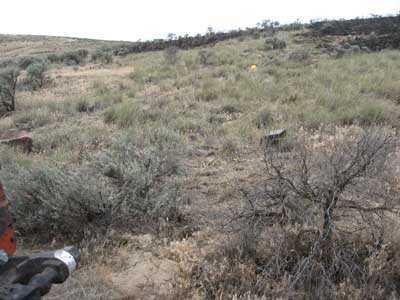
x: 20, y: 139
x: 273, y: 137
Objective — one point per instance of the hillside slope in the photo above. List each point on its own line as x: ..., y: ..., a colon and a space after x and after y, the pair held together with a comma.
x: 153, y: 163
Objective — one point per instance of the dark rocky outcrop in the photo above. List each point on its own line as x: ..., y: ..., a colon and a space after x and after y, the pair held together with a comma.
x: 375, y: 33
x: 378, y: 25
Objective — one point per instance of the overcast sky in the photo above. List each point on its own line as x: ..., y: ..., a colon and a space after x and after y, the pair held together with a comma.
x: 148, y: 19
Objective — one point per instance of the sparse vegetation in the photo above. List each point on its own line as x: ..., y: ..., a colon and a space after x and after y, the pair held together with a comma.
x: 160, y: 154
x: 206, y: 57
x: 102, y: 56
x: 171, y: 55
x: 70, y: 58
x: 25, y: 62
x: 274, y: 44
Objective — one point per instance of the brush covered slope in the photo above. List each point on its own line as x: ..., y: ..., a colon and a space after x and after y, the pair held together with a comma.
x: 151, y: 162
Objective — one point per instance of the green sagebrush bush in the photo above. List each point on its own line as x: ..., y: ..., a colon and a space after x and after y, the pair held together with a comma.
x: 127, y: 188
x: 36, y: 75
x: 50, y: 202
x: 102, y: 56
x: 70, y: 58
x: 25, y: 62
x: 138, y: 164
x: 274, y: 44
x: 206, y: 57
x: 8, y: 86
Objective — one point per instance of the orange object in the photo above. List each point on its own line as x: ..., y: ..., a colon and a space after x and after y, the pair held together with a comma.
x: 7, y: 241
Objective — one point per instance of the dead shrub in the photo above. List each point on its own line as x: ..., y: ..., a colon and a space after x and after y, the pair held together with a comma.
x: 316, y: 225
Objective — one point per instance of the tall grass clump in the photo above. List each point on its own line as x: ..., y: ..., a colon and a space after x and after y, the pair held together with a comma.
x: 171, y: 55
x: 209, y: 90
x: 132, y: 112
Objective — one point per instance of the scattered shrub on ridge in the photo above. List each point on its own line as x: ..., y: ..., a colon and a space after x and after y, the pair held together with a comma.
x: 36, y: 75
x: 8, y: 86
x: 274, y: 44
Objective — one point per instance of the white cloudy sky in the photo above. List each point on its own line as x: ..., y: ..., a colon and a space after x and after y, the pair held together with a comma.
x: 148, y: 19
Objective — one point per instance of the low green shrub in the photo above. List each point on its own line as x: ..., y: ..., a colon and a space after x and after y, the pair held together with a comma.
x: 128, y: 187
x: 24, y: 62
x: 53, y: 58
x: 153, y: 75
x: 209, y: 90
x: 70, y: 58
x: 8, y: 86
x: 50, y: 202
x: 102, y: 56
x: 274, y: 44
x: 138, y: 163
x: 206, y: 57
x: 67, y: 138
x: 129, y: 113
x: 36, y: 75
x: 98, y: 103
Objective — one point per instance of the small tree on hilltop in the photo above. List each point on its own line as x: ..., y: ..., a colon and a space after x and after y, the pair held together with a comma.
x: 210, y: 31
x: 171, y: 36
x: 268, y: 25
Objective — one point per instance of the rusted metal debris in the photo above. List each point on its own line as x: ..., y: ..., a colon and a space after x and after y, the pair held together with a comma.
x: 20, y: 139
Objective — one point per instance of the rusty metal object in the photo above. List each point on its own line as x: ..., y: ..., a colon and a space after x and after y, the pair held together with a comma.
x: 20, y: 139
